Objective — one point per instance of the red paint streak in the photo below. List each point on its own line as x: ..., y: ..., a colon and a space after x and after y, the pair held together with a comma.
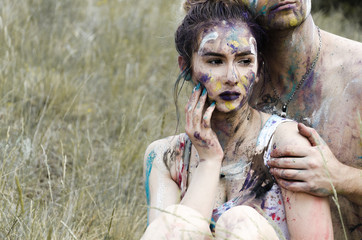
x: 278, y: 218
x: 322, y: 229
x: 179, y: 180
x: 273, y: 216
x: 280, y: 202
x: 288, y: 202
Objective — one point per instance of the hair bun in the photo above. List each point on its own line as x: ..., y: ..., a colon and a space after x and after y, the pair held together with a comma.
x: 187, y: 4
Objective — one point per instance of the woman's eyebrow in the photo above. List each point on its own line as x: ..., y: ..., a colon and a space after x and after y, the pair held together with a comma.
x: 245, y: 53
x: 214, y: 54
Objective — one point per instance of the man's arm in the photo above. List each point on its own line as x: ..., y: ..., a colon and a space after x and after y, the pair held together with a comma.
x: 315, y: 169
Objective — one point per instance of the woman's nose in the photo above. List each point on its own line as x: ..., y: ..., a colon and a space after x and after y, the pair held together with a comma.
x: 231, y: 76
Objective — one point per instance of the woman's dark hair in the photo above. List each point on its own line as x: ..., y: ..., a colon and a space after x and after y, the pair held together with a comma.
x: 201, y: 15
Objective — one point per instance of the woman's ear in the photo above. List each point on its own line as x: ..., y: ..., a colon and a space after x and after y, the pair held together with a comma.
x: 257, y: 78
x: 185, y: 73
x: 181, y: 63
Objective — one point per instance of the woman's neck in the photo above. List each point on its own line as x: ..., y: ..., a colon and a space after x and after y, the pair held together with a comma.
x: 236, y: 124
x: 290, y: 53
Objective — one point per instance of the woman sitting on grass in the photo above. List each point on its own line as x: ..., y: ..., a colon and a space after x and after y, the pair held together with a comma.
x: 212, y: 181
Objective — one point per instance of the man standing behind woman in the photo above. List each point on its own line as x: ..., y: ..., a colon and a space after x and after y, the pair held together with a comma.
x: 314, y: 77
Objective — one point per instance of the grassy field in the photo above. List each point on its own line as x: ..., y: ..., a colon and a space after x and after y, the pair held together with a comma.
x: 85, y: 86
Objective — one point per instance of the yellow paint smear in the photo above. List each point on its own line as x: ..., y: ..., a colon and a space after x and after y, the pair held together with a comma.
x: 244, y: 80
x: 245, y: 42
x: 218, y: 86
x: 293, y: 22
x: 229, y: 105
x: 234, y: 43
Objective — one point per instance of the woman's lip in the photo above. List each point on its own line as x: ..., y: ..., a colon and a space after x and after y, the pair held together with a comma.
x: 229, y: 96
x: 282, y: 6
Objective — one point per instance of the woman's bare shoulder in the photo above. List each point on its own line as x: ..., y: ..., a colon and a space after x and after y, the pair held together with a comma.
x: 287, y: 134
x: 161, y: 152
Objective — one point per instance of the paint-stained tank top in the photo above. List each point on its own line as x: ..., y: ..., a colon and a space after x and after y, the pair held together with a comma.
x: 257, y: 191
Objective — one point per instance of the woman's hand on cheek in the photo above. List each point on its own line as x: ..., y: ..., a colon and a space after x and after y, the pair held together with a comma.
x: 198, y: 126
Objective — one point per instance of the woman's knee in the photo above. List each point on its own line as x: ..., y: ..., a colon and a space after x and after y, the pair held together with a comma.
x: 178, y: 222
x: 243, y: 222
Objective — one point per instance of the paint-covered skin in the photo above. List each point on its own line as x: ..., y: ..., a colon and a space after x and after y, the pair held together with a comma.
x: 226, y: 65
x: 277, y: 14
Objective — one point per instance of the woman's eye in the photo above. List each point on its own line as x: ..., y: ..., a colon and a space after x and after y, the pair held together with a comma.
x: 214, y: 61
x: 245, y: 61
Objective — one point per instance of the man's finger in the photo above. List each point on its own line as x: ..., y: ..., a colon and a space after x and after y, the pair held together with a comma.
x: 301, y: 186
x: 309, y: 133
x: 293, y: 163
x: 290, y: 151
x: 288, y: 174
x: 294, y: 186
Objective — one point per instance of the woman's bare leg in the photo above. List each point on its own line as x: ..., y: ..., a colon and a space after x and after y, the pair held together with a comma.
x: 180, y: 223
x: 243, y: 222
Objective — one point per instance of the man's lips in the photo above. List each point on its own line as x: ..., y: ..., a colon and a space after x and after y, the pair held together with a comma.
x: 282, y: 6
x: 229, y: 96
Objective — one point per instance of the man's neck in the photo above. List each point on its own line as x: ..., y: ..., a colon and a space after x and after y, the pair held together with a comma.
x: 290, y: 53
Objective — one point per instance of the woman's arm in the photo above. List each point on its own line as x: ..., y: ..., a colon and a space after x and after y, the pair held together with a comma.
x: 161, y: 190
x: 308, y: 216
x: 202, y: 189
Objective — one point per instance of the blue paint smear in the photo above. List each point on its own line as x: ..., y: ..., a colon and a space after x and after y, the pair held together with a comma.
x: 262, y: 11
x: 205, y: 78
x: 150, y: 159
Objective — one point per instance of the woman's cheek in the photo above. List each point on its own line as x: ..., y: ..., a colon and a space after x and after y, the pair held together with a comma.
x: 210, y: 83
x: 205, y: 78
x: 250, y: 82
x: 246, y: 81
x: 216, y: 86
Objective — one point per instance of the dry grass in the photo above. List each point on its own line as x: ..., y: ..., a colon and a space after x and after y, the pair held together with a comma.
x: 85, y: 86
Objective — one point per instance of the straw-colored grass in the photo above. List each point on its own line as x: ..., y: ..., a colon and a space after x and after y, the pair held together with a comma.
x: 85, y: 86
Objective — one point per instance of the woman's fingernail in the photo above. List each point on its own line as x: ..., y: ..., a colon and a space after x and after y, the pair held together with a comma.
x: 197, y: 86
x: 204, y: 92
x: 212, y: 104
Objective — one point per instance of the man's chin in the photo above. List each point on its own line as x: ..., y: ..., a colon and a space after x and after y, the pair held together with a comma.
x: 280, y: 25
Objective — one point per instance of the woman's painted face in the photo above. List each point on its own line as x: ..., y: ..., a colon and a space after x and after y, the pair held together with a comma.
x: 226, y: 64
x: 280, y: 14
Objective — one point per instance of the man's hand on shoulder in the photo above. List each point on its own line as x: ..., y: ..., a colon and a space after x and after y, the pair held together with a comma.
x: 310, y: 169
